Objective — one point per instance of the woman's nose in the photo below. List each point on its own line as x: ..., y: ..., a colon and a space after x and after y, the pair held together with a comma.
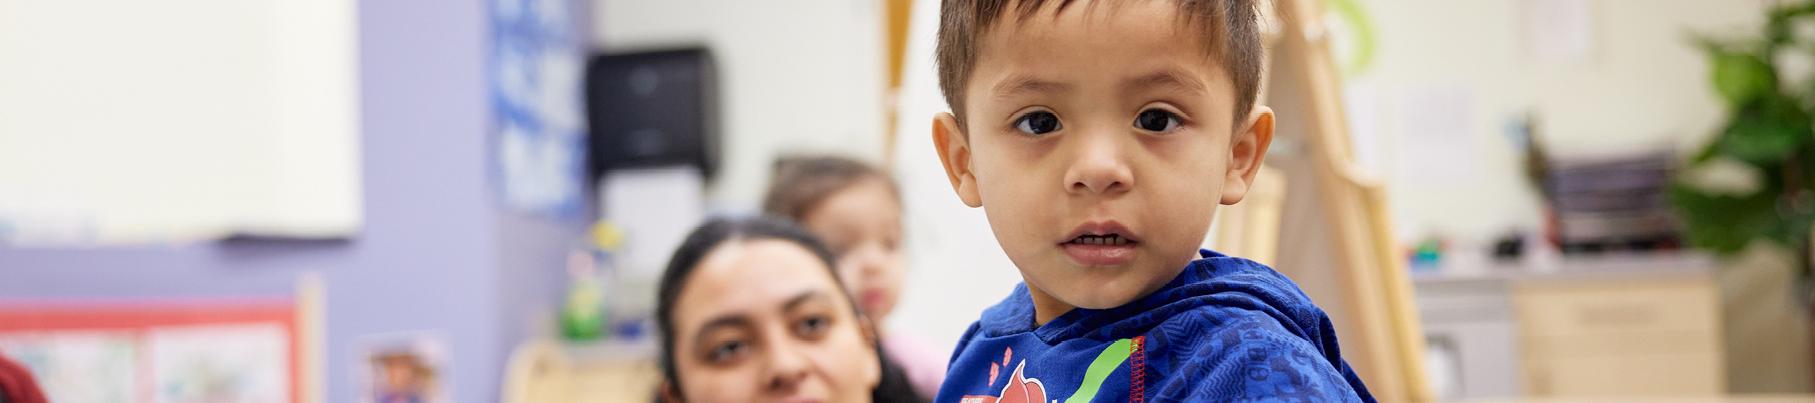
x: 787, y: 368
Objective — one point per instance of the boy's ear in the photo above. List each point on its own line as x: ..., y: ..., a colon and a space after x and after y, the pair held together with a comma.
x: 1247, y: 148
x: 955, y: 154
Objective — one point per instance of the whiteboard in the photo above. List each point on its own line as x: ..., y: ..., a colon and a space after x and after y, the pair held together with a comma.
x: 132, y: 121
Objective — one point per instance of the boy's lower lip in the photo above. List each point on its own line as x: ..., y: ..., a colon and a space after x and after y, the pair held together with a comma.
x: 1099, y: 255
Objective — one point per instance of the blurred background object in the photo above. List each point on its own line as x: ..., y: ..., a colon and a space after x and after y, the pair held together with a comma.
x: 184, y: 121
x: 1498, y: 199
x: 17, y: 384
x: 1611, y: 204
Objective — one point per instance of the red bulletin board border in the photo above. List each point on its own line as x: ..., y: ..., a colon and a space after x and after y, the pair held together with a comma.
x: 140, y: 317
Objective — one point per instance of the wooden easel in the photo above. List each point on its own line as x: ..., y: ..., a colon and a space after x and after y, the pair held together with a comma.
x: 1333, y: 214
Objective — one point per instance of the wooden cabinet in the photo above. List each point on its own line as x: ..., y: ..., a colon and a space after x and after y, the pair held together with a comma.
x: 1630, y: 335
x: 1631, y: 327
x: 552, y: 372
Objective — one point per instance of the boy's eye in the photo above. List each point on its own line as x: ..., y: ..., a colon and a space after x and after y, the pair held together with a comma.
x: 1156, y: 120
x: 1037, y: 123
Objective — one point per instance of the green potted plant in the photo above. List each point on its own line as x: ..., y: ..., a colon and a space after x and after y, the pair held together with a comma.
x: 1755, y: 180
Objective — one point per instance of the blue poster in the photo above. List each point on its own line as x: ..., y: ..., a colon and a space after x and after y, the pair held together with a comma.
x: 538, y: 141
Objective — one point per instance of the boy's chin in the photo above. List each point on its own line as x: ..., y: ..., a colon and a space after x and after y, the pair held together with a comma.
x: 1098, y: 295
x: 1097, y: 287
x: 1100, y: 298
x: 1099, y: 302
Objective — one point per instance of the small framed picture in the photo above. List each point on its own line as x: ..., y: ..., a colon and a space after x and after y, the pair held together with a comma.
x: 403, y: 368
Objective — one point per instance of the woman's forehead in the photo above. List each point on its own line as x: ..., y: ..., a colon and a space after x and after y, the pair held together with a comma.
x: 750, y: 278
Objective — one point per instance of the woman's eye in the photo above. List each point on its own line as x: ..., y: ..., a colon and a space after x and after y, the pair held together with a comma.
x: 812, y: 326
x: 727, y: 351
x: 1037, y: 123
x: 1156, y: 120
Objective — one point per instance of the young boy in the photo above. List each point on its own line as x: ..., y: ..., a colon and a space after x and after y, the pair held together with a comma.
x: 1099, y: 137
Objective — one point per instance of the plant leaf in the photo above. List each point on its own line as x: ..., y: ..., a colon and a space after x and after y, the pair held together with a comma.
x: 1766, y: 133
x: 1724, y: 224
x: 1741, y: 78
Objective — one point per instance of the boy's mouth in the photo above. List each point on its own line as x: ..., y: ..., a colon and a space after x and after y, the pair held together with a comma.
x: 1100, y: 244
x: 1106, y: 239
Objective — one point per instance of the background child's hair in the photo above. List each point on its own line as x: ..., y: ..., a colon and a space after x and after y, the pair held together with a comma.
x: 801, y: 182
x: 1230, y: 30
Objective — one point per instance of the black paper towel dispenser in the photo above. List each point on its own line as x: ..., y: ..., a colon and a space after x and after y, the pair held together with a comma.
x: 653, y: 109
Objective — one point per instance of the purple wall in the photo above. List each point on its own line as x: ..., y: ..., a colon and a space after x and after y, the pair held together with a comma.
x: 436, y: 255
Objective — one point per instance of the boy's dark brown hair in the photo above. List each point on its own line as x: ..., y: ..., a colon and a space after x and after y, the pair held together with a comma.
x: 801, y: 182
x: 1230, y: 28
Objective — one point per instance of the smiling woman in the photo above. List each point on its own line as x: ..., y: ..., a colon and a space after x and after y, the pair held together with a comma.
x: 751, y: 310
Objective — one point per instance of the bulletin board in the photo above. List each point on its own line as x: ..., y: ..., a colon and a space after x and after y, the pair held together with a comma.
x: 157, y: 351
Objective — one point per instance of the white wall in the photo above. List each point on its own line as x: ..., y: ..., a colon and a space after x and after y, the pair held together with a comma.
x: 1443, y: 64
x: 957, y: 269
x: 795, y: 75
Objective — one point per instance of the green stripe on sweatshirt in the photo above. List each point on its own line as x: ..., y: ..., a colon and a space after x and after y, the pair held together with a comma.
x: 1106, y: 362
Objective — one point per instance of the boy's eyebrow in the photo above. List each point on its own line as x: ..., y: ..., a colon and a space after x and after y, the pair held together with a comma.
x: 1025, y: 84
x: 1165, y: 79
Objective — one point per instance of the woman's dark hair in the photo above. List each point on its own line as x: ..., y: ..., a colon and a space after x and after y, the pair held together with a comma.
x: 893, y: 385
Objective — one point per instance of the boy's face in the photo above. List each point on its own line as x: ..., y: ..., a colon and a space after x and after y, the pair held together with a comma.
x: 1099, y: 140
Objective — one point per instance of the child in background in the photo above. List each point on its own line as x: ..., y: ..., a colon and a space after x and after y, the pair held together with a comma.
x: 1099, y: 137
x: 856, y: 209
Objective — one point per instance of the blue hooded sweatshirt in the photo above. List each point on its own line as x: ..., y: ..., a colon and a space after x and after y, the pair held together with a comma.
x: 1227, y: 329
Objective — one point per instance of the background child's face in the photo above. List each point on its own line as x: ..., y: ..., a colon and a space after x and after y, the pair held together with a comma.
x: 862, y: 225
x: 1100, y: 120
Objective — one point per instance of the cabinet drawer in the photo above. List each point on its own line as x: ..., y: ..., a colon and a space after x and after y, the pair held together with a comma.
x: 1617, y: 308
x: 1626, y: 375
x: 1623, y: 343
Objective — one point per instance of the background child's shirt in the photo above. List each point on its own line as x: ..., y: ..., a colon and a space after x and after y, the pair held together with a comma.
x: 924, y: 365
x: 1226, y: 329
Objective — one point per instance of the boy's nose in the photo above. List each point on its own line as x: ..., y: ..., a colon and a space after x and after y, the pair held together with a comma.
x: 1098, y: 166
